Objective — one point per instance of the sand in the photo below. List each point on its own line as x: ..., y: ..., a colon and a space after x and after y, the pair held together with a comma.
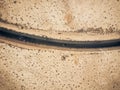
x: 30, y: 67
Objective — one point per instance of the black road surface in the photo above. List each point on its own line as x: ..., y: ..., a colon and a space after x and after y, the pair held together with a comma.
x: 56, y: 42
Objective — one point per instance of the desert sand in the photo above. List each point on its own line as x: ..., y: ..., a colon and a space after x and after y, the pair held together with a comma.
x: 29, y: 66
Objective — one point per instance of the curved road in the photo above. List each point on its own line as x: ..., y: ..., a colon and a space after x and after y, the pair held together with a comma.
x: 55, y: 42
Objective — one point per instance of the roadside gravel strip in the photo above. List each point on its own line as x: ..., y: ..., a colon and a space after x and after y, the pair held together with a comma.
x: 56, y: 42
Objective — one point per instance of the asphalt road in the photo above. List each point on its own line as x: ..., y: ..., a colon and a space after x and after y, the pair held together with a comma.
x: 56, y: 42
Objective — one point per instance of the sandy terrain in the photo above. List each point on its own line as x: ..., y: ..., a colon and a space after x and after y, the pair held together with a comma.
x: 66, y: 20
x: 30, y: 67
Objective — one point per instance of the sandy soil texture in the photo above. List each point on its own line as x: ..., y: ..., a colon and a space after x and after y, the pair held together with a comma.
x: 68, y: 20
x: 28, y: 66
x: 41, y: 68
